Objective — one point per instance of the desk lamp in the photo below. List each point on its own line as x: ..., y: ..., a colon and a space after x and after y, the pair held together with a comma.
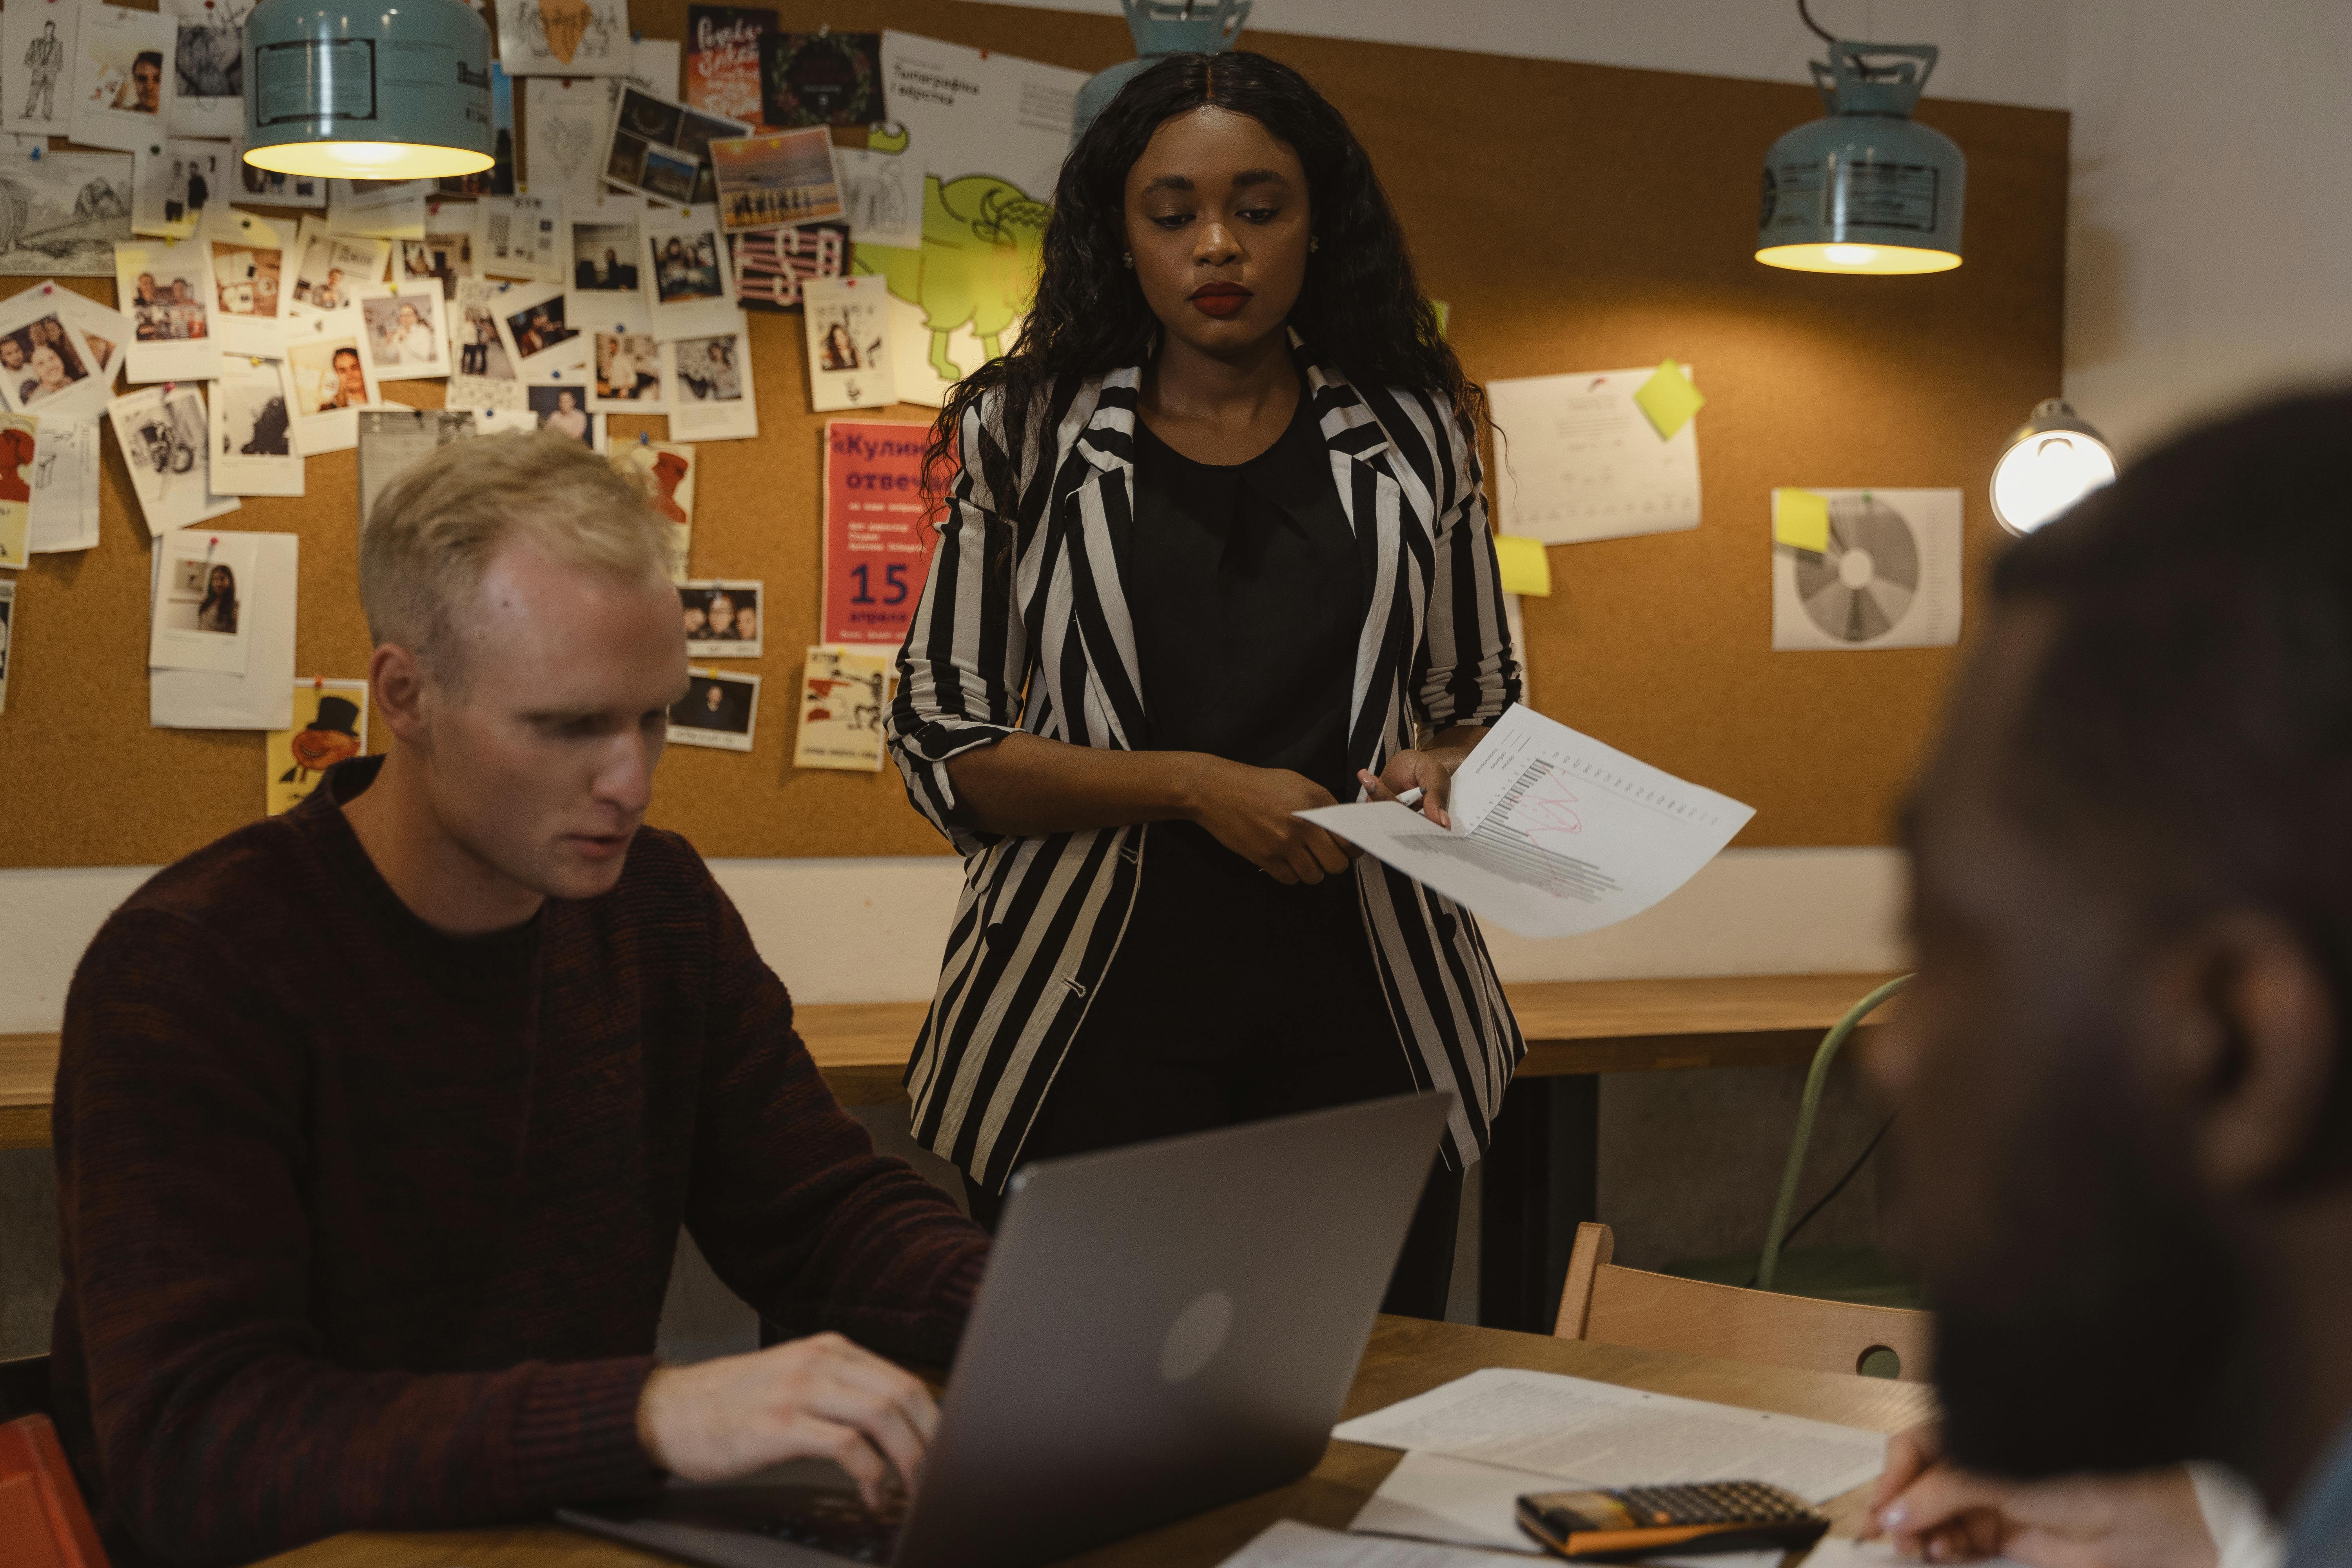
x: 367, y: 89
x: 1865, y: 190
x: 1161, y: 27
x: 2050, y: 462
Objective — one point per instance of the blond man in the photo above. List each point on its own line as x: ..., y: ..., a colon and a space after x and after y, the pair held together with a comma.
x: 377, y: 1121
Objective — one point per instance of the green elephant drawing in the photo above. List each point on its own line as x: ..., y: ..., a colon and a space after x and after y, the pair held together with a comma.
x: 977, y: 267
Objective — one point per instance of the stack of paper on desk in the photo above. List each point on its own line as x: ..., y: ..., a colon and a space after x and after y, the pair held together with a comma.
x: 1554, y: 834
x: 1606, y: 1435
x: 1463, y: 1502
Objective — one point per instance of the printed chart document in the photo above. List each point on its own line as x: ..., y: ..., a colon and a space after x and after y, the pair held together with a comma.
x: 1461, y: 1503
x: 1554, y: 834
x: 1845, y: 1552
x: 1579, y: 459
x: 1605, y: 1436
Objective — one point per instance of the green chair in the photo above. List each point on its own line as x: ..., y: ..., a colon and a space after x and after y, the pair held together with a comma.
x: 1851, y: 1272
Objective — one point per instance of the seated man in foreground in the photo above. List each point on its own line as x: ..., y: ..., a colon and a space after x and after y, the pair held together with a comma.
x: 376, y: 1123
x: 2124, y: 1075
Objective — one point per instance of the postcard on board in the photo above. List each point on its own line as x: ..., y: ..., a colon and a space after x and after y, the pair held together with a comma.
x: 777, y: 179
x: 689, y: 292
x: 249, y: 277
x: 327, y: 363
x: 628, y: 374
x: 65, y: 485
x: 485, y: 376
x: 77, y: 210
x: 253, y: 430
x: 842, y: 704
x: 706, y: 386
x: 586, y: 37
x: 520, y: 238
x: 563, y: 406
x: 123, y: 82
x: 18, y: 442
x: 406, y: 337
x: 718, y: 710
x: 533, y: 327
x: 173, y: 182
x: 662, y: 149
x: 163, y: 434
x: 36, y: 66
x: 668, y: 468
x: 330, y: 724
x: 605, y: 268
x: 847, y: 327
x: 208, y: 67
x: 445, y: 254
x: 167, y: 292
x: 722, y: 617
x: 46, y: 365
x: 328, y: 267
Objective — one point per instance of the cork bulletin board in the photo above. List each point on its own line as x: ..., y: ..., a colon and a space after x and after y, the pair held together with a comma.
x: 1575, y: 218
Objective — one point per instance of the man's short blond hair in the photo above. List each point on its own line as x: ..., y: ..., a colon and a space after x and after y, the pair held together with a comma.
x: 433, y: 530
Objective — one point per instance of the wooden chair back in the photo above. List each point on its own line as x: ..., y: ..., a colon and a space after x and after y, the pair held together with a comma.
x: 1660, y: 1311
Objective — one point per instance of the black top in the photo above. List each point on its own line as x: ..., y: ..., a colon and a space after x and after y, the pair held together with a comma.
x: 1247, y: 596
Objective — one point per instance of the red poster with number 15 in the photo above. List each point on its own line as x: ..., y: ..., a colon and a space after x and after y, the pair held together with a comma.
x: 877, y: 541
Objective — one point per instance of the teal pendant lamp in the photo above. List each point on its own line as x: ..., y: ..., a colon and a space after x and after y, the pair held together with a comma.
x: 1867, y: 189
x: 1161, y: 27
x: 367, y: 89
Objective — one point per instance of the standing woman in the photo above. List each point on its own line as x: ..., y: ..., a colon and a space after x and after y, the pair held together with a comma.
x: 1216, y: 552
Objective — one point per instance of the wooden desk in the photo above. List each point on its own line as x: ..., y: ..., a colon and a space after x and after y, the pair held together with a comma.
x: 1541, y: 1175
x: 1405, y: 1357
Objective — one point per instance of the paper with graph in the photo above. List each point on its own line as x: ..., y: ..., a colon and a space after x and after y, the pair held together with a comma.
x: 1554, y: 834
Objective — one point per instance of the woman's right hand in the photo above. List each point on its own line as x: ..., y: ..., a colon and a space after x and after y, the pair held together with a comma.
x: 1249, y: 811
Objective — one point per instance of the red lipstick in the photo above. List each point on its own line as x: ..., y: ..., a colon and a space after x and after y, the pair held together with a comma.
x: 1221, y: 300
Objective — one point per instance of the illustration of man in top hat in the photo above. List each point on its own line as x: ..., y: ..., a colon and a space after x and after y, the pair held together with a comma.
x: 325, y: 740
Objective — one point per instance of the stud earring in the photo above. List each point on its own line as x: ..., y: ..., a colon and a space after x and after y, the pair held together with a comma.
x: 1128, y: 258
x: 1314, y: 242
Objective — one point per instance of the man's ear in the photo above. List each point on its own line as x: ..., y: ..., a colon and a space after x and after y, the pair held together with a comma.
x: 2251, y: 1021
x: 398, y: 685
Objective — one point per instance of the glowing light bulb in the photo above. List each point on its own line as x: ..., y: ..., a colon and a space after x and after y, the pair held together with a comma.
x: 2044, y: 473
x: 1850, y: 255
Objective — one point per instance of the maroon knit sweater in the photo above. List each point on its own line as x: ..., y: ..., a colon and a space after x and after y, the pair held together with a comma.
x: 368, y: 1227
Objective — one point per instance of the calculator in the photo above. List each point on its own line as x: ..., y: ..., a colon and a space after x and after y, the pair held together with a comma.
x: 1621, y: 1525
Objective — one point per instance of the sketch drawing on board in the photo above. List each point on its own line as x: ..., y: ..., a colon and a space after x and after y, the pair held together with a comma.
x: 975, y: 270
x: 555, y: 38
x: 64, y: 213
x: 36, y: 45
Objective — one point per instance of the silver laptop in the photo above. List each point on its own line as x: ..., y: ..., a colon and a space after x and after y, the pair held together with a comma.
x: 1162, y: 1328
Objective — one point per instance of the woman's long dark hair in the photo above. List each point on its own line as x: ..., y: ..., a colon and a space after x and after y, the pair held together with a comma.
x: 225, y: 597
x: 1360, y: 310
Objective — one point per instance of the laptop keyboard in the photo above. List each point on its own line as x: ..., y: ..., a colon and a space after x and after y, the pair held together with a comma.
x: 840, y: 1524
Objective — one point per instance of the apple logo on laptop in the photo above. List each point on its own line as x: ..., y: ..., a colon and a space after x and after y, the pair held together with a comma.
x: 1196, y: 1336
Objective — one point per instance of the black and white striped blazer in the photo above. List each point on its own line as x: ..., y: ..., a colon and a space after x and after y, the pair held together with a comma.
x: 1024, y: 623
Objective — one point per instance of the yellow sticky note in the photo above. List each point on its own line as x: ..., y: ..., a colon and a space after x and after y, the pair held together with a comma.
x: 1669, y: 399
x: 1526, y: 568
x: 1800, y: 520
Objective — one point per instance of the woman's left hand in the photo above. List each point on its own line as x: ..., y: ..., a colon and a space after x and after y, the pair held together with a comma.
x: 1413, y: 770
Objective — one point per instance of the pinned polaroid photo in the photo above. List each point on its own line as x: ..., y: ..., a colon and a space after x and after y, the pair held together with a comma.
x: 393, y: 441
x: 405, y: 338
x: 253, y: 430
x: 173, y: 181
x: 532, y: 326
x: 486, y: 375
x: 662, y: 149
x: 7, y: 633
x: 167, y: 292
x: 604, y: 274
x: 563, y: 406
x: 628, y: 373
x: 782, y: 178
x: 330, y: 724
x: 124, y: 83
x: 718, y: 710
x: 208, y: 67
x: 520, y: 238
x: 379, y: 209
x: 330, y: 267
x: 249, y: 254
x: 722, y: 618
x: 107, y: 331
x: 71, y: 209
x: 266, y: 185
x: 163, y: 434
x: 46, y: 366
x: 444, y: 255
x: 201, y: 620
x: 842, y: 703
x: 587, y: 38
x: 19, y: 440
x: 668, y: 468
x: 331, y: 378
x: 65, y: 485
x: 690, y: 293
x: 706, y: 386
x: 846, y: 323
x: 37, y: 69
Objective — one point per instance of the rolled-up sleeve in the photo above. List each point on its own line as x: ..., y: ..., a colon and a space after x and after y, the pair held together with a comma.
x: 1466, y: 672
x: 962, y: 669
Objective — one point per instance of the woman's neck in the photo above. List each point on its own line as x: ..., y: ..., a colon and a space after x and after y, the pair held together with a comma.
x: 1217, y: 410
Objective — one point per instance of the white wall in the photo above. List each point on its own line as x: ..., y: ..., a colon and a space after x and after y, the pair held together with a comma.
x: 2211, y: 217
x: 872, y: 930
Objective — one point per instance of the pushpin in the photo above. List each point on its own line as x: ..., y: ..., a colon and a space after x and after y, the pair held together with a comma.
x: 36, y: 155
x: 317, y: 682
